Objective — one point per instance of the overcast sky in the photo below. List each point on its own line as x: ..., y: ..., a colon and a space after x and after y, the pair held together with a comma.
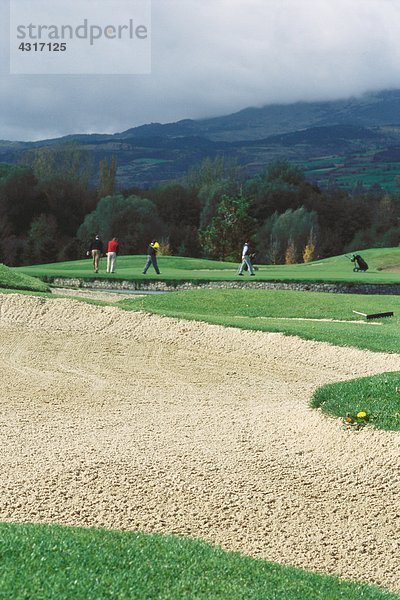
x: 214, y: 57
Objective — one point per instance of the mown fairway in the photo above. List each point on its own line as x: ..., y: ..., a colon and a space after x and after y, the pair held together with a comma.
x: 384, y: 266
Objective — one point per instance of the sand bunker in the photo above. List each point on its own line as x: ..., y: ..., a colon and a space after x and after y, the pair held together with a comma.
x: 391, y: 269
x: 95, y: 294
x: 127, y: 420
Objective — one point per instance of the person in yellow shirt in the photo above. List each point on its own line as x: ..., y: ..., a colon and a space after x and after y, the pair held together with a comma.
x: 152, y: 250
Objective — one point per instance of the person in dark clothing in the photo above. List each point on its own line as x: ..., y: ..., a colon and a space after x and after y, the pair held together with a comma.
x: 95, y: 250
x: 152, y: 251
x: 246, y: 260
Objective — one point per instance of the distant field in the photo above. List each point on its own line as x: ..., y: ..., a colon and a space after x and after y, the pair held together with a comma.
x: 383, y: 264
x: 352, y: 169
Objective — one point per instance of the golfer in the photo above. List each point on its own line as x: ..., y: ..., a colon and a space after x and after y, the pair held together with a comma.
x: 246, y: 260
x: 152, y: 250
x: 96, y: 250
x: 112, y: 251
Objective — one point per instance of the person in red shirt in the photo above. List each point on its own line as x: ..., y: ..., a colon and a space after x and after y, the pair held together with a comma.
x: 112, y: 251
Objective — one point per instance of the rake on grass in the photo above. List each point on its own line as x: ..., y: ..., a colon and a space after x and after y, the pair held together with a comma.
x: 374, y: 315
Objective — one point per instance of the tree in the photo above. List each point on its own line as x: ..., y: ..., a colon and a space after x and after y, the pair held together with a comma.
x: 177, y: 204
x: 391, y: 238
x: 42, y: 246
x: 108, y: 172
x: 291, y: 229
x: 189, y: 241
x: 73, y: 249
x: 133, y: 220
x: 340, y: 217
x: 284, y: 172
x: 20, y: 198
x: 63, y: 172
x: 229, y: 228
x: 165, y: 247
x: 387, y: 214
x: 68, y: 201
x: 211, y: 171
x: 13, y: 249
x: 280, y: 187
x: 291, y: 253
x: 310, y: 248
x: 210, y: 196
x: 67, y: 160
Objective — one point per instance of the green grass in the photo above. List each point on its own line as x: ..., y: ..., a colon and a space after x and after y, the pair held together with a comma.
x: 47, y: 562
x: 275, y: 310
x: 173, y: 268
x: 17, y: 280
x: 377, y: 396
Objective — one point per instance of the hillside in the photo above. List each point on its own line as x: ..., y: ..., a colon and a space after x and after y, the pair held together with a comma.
x: 347, y: 141
x: 370, y: 110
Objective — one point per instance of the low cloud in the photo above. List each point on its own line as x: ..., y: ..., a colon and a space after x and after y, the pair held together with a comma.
x: 216, y: 57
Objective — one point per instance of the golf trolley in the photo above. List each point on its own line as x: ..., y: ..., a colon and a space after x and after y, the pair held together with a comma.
x: 359, y: 263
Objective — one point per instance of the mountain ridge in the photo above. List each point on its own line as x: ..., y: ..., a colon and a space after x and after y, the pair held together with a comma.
x: 341, y: 130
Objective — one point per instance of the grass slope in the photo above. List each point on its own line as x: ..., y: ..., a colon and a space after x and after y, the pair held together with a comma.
x: 382, y: 262
x: 277, y: 310
x: 12, y: 279
x: 39, y: 561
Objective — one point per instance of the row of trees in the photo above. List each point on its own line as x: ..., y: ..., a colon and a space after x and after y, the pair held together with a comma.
x: 49, y: 209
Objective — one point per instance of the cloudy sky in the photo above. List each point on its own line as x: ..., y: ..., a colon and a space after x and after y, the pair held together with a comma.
x: 209, y: 58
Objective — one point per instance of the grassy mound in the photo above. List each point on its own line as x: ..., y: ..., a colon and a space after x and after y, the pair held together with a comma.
x: 378, y: 397
x: 58, y: 562
x: 382, y: 262
x: 17, y: 280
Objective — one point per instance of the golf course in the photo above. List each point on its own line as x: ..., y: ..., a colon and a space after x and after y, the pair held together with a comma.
x: 204, y: 443
x: 384, y: 267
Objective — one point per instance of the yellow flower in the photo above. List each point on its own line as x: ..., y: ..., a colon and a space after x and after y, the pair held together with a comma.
x: 361, y: 415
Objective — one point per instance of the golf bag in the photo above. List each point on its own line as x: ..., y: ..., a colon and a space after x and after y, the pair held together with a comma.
x: 252, y: 258
x: 359, y: 263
